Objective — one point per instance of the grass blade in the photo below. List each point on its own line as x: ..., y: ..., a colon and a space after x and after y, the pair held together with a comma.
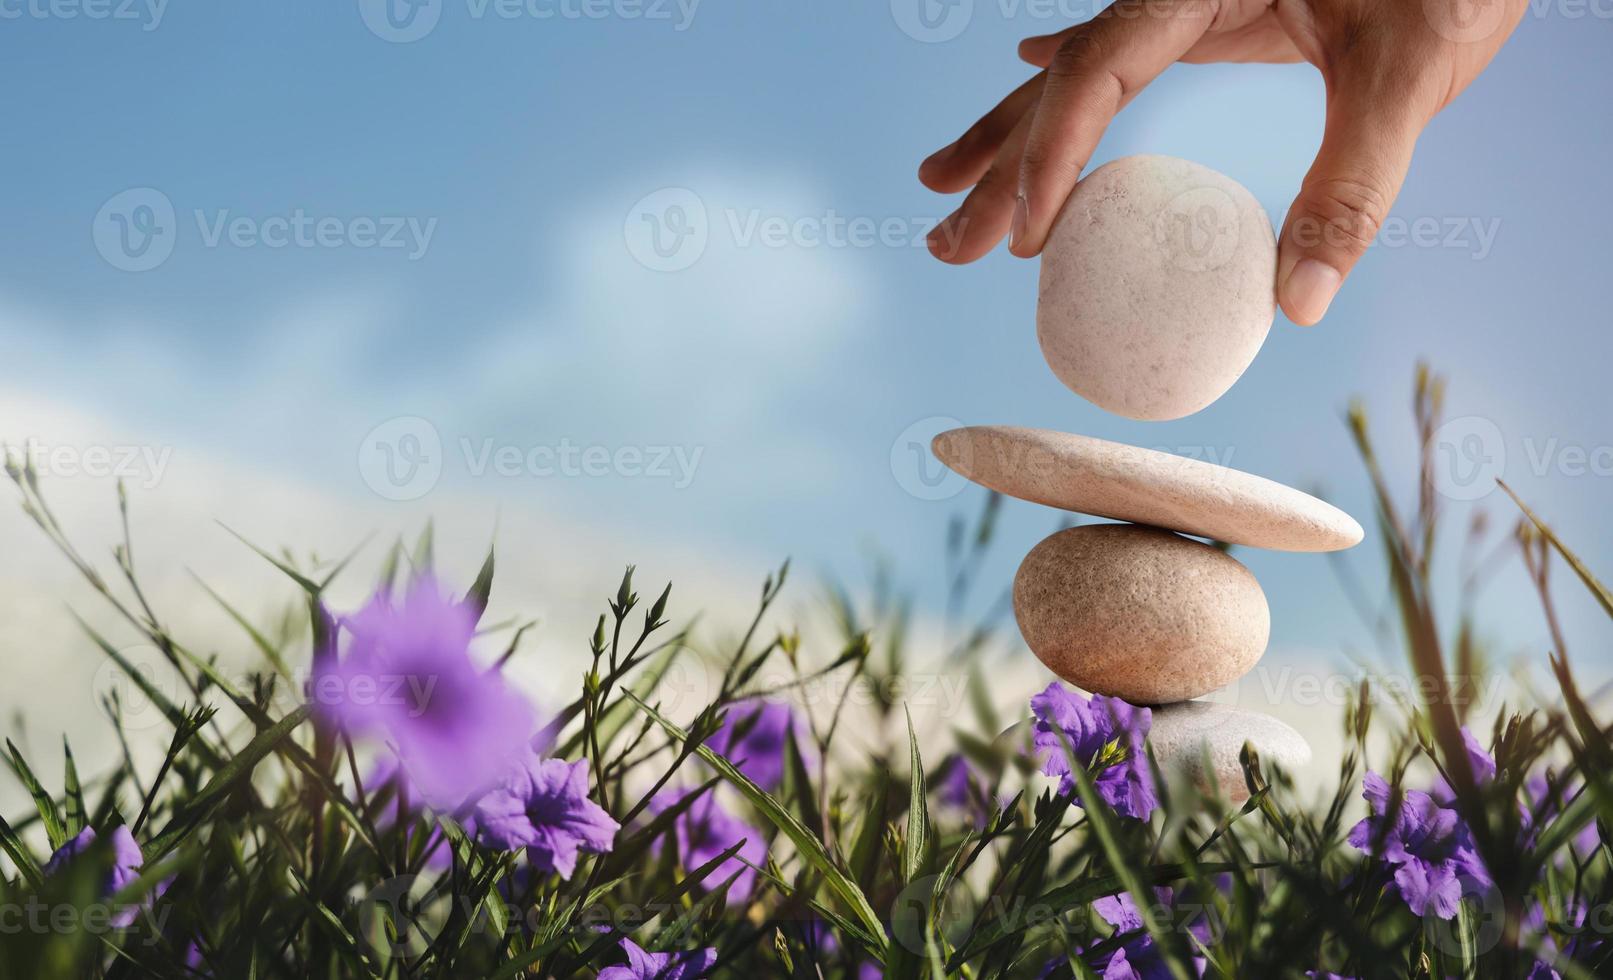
x: 75, y: 818
x: 1599, y: 590
x: 55, y: 829
x: 811, y: 849
x: 481, y: 590
x: 237, y: 769
x: 1103, y: 829
x: 269, y: 650
x: 918, y: 809
x: 19, y: 853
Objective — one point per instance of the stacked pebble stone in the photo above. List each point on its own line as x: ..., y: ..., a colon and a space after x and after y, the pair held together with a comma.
x: 1158, y: 288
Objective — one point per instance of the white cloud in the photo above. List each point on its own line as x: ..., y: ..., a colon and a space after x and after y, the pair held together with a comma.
x: 711, y: 352
x: 552, y: 567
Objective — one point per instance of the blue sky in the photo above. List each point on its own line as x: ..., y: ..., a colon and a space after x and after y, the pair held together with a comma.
x: 808, y: 333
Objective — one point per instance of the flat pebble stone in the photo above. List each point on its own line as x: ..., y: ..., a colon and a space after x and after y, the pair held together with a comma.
x: 1110, y: 479
x: 1140, y: 613
x: 1198, y: 738
x: 1158, y: 286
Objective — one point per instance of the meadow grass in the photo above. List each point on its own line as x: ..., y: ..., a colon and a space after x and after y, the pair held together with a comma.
x: 749, y: 841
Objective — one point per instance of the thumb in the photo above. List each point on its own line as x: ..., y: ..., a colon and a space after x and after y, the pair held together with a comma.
x: 1366, y: 150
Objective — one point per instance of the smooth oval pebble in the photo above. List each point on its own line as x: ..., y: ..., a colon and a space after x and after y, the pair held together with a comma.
x: 1139, y: 613
x: 1158, y: 286
x: 1201, y: 738
x: 1111, y: 479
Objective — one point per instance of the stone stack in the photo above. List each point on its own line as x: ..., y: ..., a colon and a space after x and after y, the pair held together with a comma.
x: 1138, y: 610
x: 1158, y: 288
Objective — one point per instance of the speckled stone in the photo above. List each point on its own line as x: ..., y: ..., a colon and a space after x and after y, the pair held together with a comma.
x: 1198, y: 738
x: 1159, y: 284
x: 1140, y: 613
x: 1109, y: 479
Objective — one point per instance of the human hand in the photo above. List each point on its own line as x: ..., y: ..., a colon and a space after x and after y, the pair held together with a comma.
x: 1389, y: 67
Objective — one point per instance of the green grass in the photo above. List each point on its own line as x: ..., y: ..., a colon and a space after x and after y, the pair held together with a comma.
x: 277, y: 866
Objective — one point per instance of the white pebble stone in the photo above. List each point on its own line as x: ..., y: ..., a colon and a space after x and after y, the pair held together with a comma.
x: 1197, y: 738
x: 1158, y: 286
x: 1111, y: 479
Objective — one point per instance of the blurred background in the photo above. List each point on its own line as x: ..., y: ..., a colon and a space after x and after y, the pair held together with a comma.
x: 643, y: 281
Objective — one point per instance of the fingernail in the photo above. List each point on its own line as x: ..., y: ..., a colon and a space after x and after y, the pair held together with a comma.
x: 1310, y: 289
x: 1022, y: 217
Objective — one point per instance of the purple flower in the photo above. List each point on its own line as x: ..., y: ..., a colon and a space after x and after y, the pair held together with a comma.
x: 195, y: 962
x: 1578, y: 944
x: 818, y: 938
x: 1541, y: 970
x: 753, y: 736
x: 641, y: 965
x: 543, y: 806
x: 1534, y: 923
x: 706, y: 830
x: 127, y: 861
x: 1139, y: 958
x: 1427, y: 845
x: 1088, y: 726
x: 957, y: 775
x: 1478, y: 760
x: 408, y: 677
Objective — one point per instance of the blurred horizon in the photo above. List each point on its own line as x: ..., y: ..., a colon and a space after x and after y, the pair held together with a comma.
x: 650, y: 287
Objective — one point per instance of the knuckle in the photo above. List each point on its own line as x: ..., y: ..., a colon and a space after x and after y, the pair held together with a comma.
x: 1215, y: 13
x: 1389, y: 62
x: 995, y: 184
x: 1077, y: 54
x: 1082, y: 69
x: 1341, y: 212
x: 1043, y: 162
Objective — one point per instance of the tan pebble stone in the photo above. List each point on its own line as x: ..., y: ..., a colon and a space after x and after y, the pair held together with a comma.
x: 1140, y: 613
x: 1198, y: 738
x: 1158, y: 286
x: 1111, y: 479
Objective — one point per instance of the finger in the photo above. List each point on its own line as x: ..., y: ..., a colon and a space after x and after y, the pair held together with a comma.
x: 983, y: 218
x: 1094, y: 72
x: 1039, y: 50
x: 959, y: 165
x: 1366, y: 151
x: 1262, y: 40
